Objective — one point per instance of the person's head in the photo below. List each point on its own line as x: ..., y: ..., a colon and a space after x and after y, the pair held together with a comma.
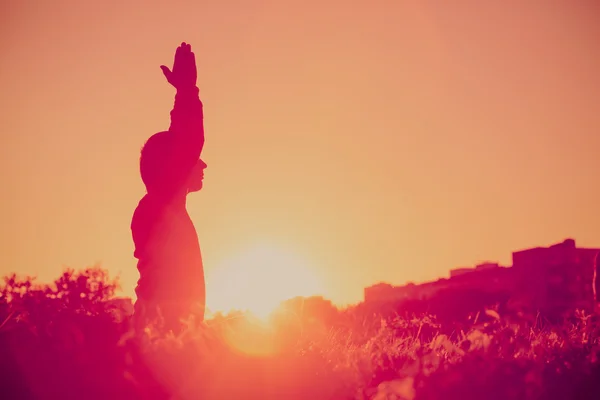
x: 156, y: 157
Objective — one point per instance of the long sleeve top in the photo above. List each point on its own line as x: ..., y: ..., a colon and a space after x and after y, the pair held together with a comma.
x: 166, y: 242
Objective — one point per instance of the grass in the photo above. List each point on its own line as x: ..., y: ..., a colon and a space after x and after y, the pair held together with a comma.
x: 63, y: 341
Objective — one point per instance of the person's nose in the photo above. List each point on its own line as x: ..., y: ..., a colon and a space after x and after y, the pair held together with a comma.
x: 202, y: 164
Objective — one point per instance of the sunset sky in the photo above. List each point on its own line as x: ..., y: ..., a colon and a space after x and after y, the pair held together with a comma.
x: 372, y: 140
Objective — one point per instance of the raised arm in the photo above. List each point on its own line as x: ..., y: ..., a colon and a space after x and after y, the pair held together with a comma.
x: 187, y: 118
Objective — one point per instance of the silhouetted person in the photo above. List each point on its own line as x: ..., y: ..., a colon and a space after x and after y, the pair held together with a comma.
x: 171, y: 280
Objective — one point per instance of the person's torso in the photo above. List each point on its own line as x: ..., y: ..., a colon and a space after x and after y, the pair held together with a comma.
x: 166, y: 242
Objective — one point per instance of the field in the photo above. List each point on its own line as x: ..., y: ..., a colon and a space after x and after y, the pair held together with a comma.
x: 66, y: 340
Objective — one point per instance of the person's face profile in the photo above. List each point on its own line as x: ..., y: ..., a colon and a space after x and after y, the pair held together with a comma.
x: 197, y: 176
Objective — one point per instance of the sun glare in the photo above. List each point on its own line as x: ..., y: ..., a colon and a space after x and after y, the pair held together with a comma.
x: 259, y: 279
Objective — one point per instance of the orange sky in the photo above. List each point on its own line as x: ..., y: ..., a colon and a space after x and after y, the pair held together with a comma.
x: 381, y: 141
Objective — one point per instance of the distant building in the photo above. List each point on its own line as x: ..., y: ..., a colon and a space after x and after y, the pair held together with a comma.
x: 460, y: 271
x: 555, y: 277
x: 479, y: 267
x: 558, y: 276
x: 490, y: 279
x: 386, y: 292
x: 487, y: 265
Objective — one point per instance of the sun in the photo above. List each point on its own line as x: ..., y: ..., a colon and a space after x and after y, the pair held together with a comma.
x: 258, y: 279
